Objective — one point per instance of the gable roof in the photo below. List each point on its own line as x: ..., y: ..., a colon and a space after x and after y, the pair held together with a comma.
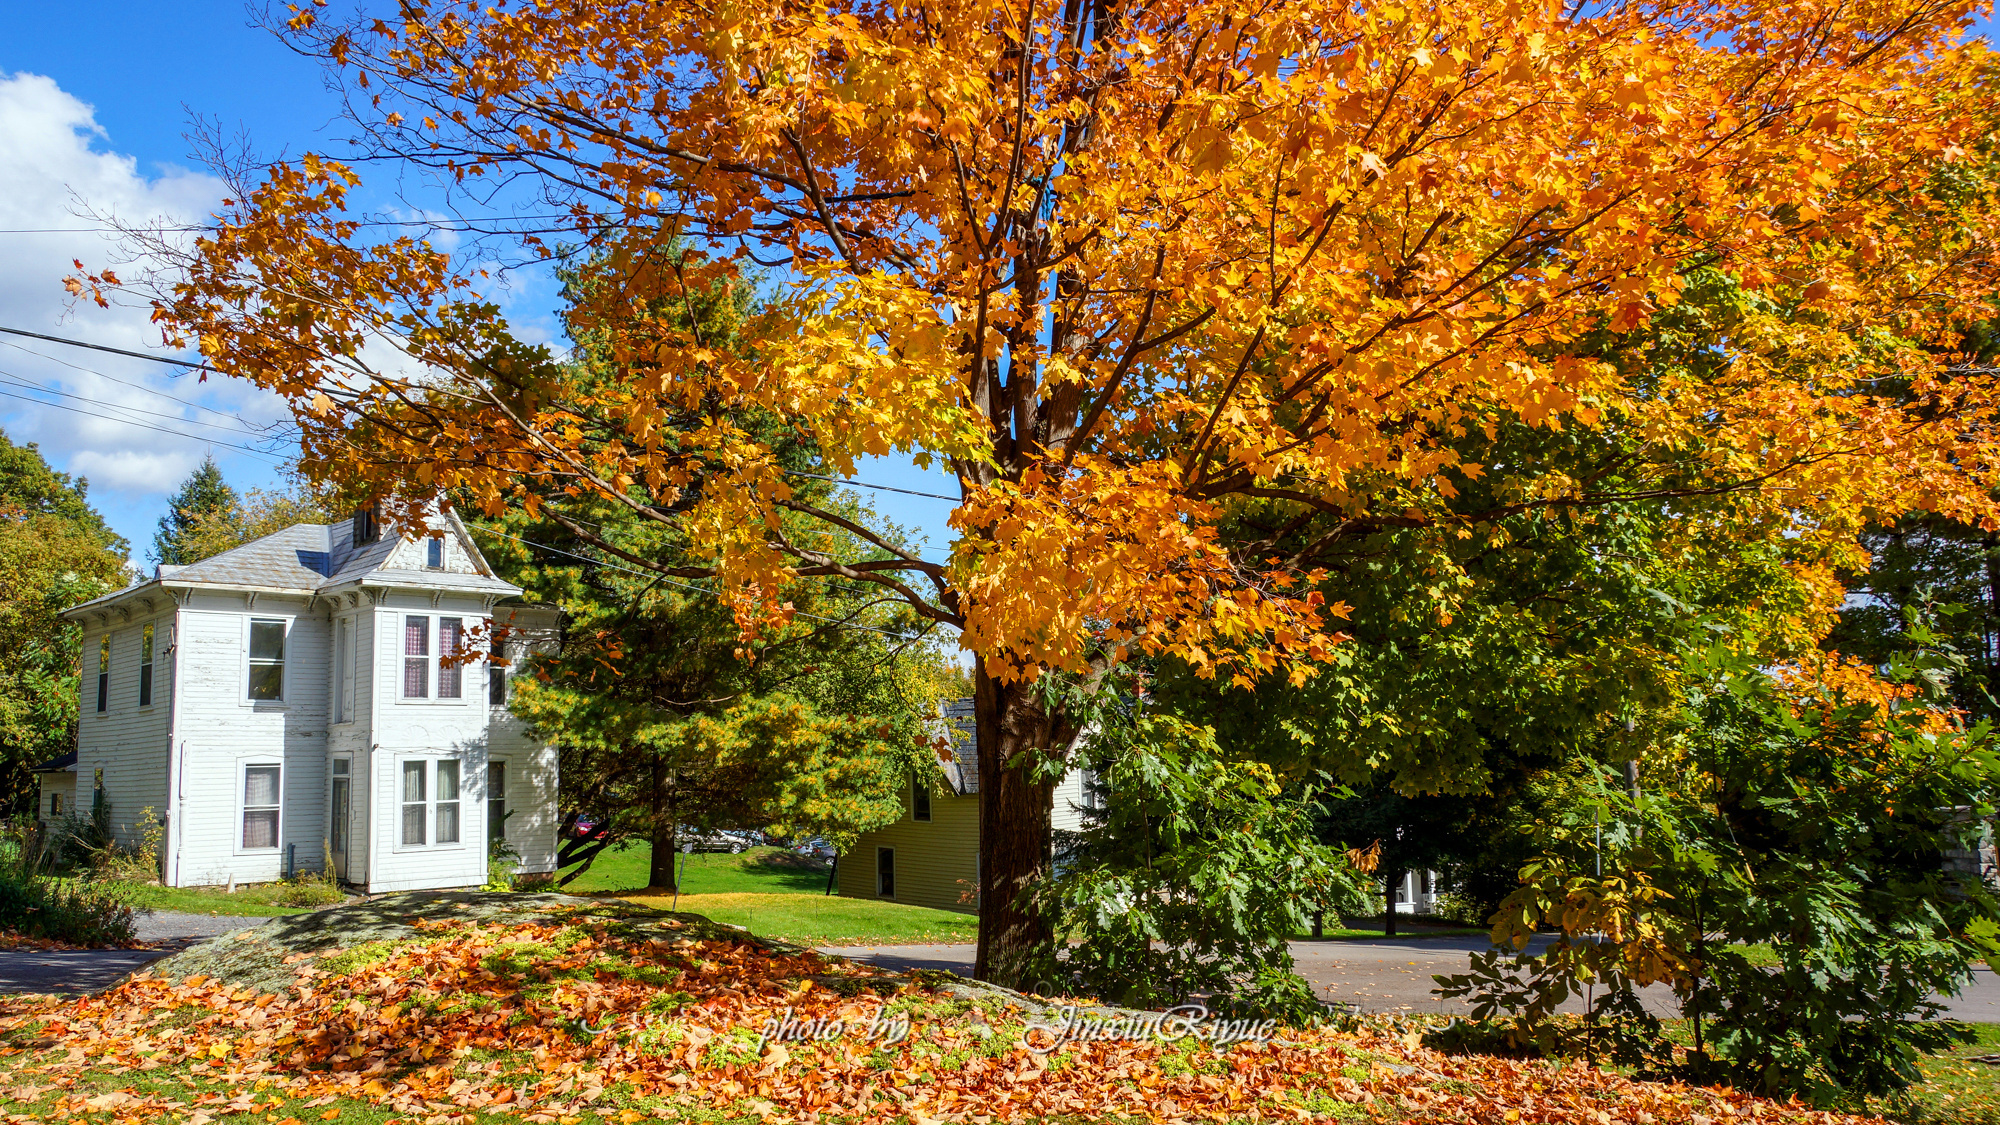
x: 312, y: 558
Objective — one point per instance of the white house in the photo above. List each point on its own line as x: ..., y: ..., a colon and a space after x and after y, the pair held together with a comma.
x: 288, y: 704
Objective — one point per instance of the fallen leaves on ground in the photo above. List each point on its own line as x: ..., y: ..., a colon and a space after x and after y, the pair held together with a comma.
x: 554, y: 1025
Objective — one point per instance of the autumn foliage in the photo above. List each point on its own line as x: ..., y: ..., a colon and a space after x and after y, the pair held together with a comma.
x: 548, y: 1023
x: 1124, y: 268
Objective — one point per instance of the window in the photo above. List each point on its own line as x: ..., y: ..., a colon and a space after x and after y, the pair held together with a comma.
x: 413, y: 802
x: 434, y: 553
x: 885, y: 872
x: 103, y: 672
x: 416, y: 657
x: 451, y: 631
x: 146, y: 666
x: 366, y: 528
x: 447, y: 801
x: 55, y: 804
x: 431, y: 803
x: 260, y: 806
x: 496, y: 801
x: 920, y: 798
x: 267, y: 660
x: 343, y: 647
x: 496, y: 671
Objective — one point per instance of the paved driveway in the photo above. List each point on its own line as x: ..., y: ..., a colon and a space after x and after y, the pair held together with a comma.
x: 77, y: 971
x: 1391, y: 975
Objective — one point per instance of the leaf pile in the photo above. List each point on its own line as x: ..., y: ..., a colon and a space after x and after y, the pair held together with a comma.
x: 558, y: 1024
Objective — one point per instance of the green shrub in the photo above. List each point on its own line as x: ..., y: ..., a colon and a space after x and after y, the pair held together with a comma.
x: 71, y: 911
x: 310, y: 888
x: 1786, y: 873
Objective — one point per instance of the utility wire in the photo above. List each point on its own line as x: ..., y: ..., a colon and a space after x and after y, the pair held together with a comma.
x: 440, y: 224
x: 16, y: 380
x: 683, y: 585
x: 103, y: 348
x: 273, y: 458
x: 128, y: 383
x: 882, y: 487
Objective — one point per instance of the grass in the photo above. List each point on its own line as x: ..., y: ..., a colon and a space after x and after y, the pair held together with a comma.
x: 777, y: 894
x: 826, y: 920
x: 757, y: 871
x: 1955, y: 1090
x: 254, y: 900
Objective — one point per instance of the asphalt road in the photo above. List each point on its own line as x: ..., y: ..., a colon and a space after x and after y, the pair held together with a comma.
x: 75, y: 971
x: 1391, y: 975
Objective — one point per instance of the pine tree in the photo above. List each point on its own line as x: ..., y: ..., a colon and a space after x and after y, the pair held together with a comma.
x: 203, y: 494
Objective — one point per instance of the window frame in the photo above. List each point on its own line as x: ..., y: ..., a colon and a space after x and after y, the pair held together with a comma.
x: 434, y: 552
x: 251, y: 663
x: 433, y: 655
x: 454, y: 672
x: 919, y: 788
x: 498, y: 665
x: 428, y: 764
x: 104, y: 674
x: 244, y: 808
x: 890, y: 853
x: 496, y: 827
x: 146, y: 642
x: 343, y: 675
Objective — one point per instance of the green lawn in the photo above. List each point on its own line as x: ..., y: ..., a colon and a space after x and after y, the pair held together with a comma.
x: 775, y: 894
x: 757, y: 871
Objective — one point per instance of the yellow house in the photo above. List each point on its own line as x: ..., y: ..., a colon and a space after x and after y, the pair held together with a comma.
x: 930, y: 855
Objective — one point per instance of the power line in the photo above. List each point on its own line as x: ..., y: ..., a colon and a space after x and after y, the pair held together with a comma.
x: 129, y: 383
x: 882, y: 487
x: 17, y: 381
x: 272, y: 457
x: 439, y: 224
x: 104, y: 348
x: 682, y: 585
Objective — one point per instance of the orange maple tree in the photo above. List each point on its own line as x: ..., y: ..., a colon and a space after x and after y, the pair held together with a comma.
x: 1122, y: 267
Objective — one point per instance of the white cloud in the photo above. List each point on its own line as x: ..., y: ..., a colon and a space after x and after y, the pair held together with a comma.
x: 56, y: 165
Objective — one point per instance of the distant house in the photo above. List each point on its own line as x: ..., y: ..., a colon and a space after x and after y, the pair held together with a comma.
x: 289, y: 704
x: 930, y: 855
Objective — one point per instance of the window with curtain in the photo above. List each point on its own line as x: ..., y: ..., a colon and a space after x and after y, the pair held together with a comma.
x: 103, y: 672
x: 496, y: 800
x: 447, y: 801
x: 451, y: 677
x: 146, y: 666
x: 416, y: 657
x: 260, y: 806
x: 267, y: 660
x: 414, y: 807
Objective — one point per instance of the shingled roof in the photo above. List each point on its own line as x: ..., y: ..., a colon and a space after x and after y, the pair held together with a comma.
x: 309, y: 558
x: 963, y: 770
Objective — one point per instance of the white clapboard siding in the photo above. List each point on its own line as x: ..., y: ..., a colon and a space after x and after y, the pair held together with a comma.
x: 129, y: 743
x: 222, y: 732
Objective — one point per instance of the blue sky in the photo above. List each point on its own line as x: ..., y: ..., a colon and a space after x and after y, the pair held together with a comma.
x: 94, y: 102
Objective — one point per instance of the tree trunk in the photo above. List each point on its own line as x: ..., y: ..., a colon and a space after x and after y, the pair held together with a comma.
x: 661, y: 875
x: 1014, y: 837
x: 1390, y: 881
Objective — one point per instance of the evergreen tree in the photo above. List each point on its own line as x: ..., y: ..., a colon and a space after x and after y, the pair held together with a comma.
x: 203, y: 498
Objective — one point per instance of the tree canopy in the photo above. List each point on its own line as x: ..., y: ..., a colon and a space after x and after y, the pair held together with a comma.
x: 55, y: 551
x: 1122, y: 267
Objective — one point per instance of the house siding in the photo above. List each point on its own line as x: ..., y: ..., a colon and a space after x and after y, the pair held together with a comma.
x: 937, y: 862
x: 185, y: 755
x: 129, y: 743
x: 222, y: 731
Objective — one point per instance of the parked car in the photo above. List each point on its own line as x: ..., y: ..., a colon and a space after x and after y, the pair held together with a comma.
x: 814, y: 846
x: 710, y: 840
x: 588, y: 829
